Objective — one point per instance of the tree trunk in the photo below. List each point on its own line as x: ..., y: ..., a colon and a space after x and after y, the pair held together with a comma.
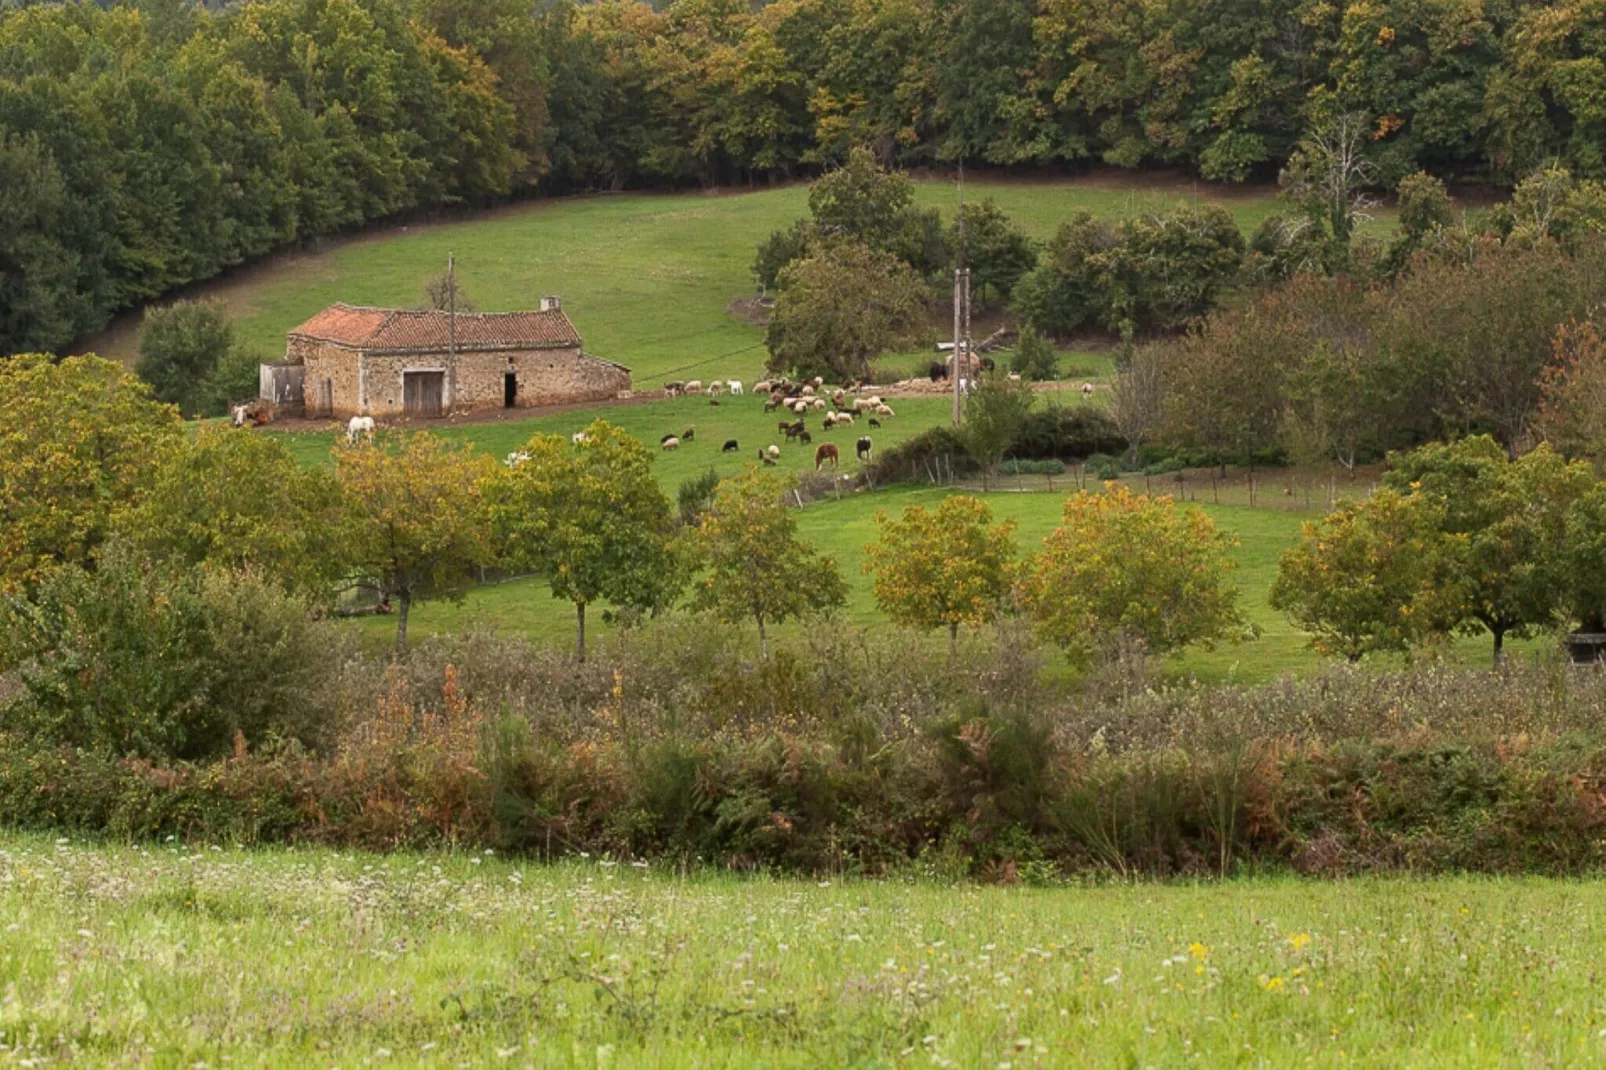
x: 404, y: 605
x: 580, y: 631
x: 1499, y: 645
x: 763, y: 640
x: 953, y: 639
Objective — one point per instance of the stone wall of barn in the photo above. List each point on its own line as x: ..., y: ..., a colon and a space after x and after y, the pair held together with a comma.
x: 544, y: 377
x: 330, y: 387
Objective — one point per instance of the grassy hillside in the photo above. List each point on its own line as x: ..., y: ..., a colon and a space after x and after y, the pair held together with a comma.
x: 183, y: 956
x: 647, y: 278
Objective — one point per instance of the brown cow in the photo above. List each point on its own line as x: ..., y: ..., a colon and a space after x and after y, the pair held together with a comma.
x: 826, y: 452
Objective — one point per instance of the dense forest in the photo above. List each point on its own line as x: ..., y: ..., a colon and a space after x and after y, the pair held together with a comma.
x: 152, y: 144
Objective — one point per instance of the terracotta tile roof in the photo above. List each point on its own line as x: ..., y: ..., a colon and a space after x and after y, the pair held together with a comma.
x: 408, y: 330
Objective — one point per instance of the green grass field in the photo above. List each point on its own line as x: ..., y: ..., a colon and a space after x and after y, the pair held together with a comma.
x: 646, y: 278
x: 182, y: 956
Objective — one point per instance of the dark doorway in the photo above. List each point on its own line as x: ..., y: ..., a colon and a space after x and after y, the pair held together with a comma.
x: 423, y: 393
x: 510, y: 390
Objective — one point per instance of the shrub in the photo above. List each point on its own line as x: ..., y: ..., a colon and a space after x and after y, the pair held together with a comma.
x: 694, y: 497
x: 1066, y: 432
x: 1015, y: 467
x: 934, y: 455
x: 182, y: 348
x: 149, y: 659
x: 1035, y: 358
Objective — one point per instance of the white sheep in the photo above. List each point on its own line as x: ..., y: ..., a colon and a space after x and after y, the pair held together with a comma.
x: 359, y: 425
x: 884, y: 410
x: 735, y: 388
x: 819, y: 403
x: 773, y: 451
x: 1087, y: 390
x: 579, y: 438
x: 807, y: 391
x: 694, y: 386
x: 238, y: 414
x: 844, y: 418
x: 671, y: 443
x: 516, y: 458
x: 763, y: 386
x: 800, y: 407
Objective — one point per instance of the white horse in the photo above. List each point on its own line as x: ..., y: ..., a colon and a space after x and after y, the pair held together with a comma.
x: 359, y: 425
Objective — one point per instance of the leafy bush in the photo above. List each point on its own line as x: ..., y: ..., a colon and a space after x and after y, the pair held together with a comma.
x: 149, y: 659
x: 934, y: 455
x: 1066, y: 432
x: 694, y: 497
x: 1016, y: 467
x: 1035, y: 358
x: 188, y: 354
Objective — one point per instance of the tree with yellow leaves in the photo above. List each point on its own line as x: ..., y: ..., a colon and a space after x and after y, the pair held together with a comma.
x: 943, y: 568
x: 79, y: 439
x: 758, y: 569
x: 414, y: 520
x: 1124, y: 563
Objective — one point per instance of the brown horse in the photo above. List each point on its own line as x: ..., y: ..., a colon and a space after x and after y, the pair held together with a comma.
x: 826, y: 452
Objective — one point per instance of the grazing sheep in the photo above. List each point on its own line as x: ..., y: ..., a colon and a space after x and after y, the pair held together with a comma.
x: 763, y: 386
x: 826, y: 452
x: 874, y: 400
x: 715, y: 387
x: 845, y: 418
x: 805, y: 438
x: 774, y: 451
x: 800, y: 407
x: 937, y: 370
x: 874, y: 422
x: 694, y: 386
x: 862, y: 448
x: 730, y: 446
x: 579, y: 438
x: 516, y: 458
x: 1087, y: 390
x: 818, y: 382
x: 862, y: 405
x: 670, y: 443
x: 674, y: 389
x: 359, y: 425
x: 665, y: 438
x: 792, y: 430
x: 808, y: 390
x: 819, y: 405
x: 766, y: 458
x: 238, y: 414
x: 688, y: 434
x: 772, y: 404
x: 735, y: 386
x: 884, y: 410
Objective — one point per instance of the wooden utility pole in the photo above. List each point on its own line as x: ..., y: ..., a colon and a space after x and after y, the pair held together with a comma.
x: 960, y: 273
x: 451, y: 332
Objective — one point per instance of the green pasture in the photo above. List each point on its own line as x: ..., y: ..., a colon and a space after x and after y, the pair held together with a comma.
x: 647, y: 278
x: 215, y: 956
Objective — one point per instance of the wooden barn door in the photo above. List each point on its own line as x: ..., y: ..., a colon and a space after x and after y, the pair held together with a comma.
x: 423, y: 393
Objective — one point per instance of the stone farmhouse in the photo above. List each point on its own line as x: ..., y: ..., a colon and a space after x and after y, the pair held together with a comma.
x: 355, y: 361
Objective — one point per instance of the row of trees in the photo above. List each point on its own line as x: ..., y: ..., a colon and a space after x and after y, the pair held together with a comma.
x: 95, y: 469
x: 1461, y: 539
x: 153, y: 143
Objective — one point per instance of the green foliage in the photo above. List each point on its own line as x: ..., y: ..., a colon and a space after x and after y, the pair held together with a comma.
x: 77, y: 442
x: 841, y: 306
x: 1504, y: 526
x: 1035, y: 358
x: 590, y: 519
x: 240, y: 501
x: 695, y: 496
x: 1572, y: 404
x: 757, y: 567
x: 1151, y: 271
x: 1584, y: 561
x: 992, y: 419
x: 163, y: 661
x: 181, y: 348
x: 1065, y: 432
x: 1423, y: 205
x: 1125, y: 566
x: 997, y: 252
x: 414, y: 521
x: 1371, y: 576
x: 780, y: 249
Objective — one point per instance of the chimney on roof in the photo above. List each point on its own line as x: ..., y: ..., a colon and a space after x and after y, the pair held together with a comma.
x: 550, y: 303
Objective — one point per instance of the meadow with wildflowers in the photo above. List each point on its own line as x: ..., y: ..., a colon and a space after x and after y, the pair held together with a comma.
x: 209, y: 955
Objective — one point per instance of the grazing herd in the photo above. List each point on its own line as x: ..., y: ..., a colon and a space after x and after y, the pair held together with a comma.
x: 799, y: 400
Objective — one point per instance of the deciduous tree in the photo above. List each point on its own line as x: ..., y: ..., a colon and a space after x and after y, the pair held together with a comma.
x: 757, y: 567
x: 948, y: 567
x: 1370, y: 576
x: 841, y: 306
x: 1132, y: 564
x: 80, y: 440
x: 415, y: 522
x: 992, y: 418
x: 590, y: 519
